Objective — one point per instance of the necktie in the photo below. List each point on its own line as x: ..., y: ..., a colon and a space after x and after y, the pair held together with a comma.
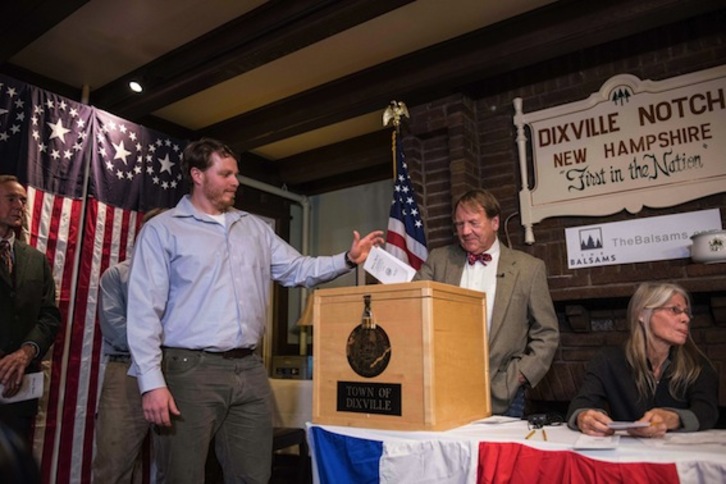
x: 6, y: 258
x: 474, y: 258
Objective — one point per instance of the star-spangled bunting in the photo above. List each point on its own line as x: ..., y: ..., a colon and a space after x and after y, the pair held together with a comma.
x: 134, y: 167
x: 89, y: 176
x: 405, y: 238
x: 13, y: 122
x: 47, y: 149
x: 58, y: 131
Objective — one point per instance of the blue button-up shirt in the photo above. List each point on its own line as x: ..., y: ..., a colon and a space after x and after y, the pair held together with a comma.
x: 112, y: 308
x: 198, y: 284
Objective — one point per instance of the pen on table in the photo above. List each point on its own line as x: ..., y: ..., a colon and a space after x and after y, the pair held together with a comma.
x: 544, y: 435
x: 530, y: 434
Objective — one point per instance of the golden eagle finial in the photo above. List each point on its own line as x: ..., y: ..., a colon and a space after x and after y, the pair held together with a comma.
x: 393, y: 114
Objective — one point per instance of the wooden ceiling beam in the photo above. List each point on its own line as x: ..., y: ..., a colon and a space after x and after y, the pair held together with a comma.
x: 23, y: 21
x: 43, y: 82
x: 552, y: 31
x: 269, y: 32
x: 362, y: 152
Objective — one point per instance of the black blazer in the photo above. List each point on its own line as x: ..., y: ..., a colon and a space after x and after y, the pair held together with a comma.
x: 27, y: 307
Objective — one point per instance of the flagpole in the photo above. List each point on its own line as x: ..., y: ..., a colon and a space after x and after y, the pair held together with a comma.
x: 393, y: 114
x: 394, y: 137
x: 405, y: 238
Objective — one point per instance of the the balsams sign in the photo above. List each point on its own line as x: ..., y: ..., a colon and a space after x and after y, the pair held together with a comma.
x: 642, y: 240
x: 632, y: 144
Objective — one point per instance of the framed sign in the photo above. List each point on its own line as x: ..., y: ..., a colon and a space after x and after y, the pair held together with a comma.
x: 632, y: 144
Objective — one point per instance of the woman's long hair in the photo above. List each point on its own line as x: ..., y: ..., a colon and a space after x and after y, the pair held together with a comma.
x: 686, y: 360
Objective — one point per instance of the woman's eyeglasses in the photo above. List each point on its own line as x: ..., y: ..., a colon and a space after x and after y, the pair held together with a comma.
x: 675, y: 310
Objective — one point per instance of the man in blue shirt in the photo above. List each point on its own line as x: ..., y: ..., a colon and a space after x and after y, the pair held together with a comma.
x: 198, y: 289
x: 120, y: 424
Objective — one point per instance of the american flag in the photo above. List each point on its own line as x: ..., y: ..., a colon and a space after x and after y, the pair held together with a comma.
x: 132, y: 169
x: 52, y: 160
x: 90, y: 176
x: 405, y: 238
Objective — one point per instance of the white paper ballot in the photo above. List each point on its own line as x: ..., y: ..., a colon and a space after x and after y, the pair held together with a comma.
x: 32, y: 387
x: 498, y: 419
x: 628, y: 425
x: 387, y: 268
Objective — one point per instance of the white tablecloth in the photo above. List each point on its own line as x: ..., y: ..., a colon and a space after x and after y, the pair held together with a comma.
x: 452, y: 456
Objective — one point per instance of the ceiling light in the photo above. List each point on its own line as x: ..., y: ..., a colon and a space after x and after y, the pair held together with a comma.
x: 135, y: 86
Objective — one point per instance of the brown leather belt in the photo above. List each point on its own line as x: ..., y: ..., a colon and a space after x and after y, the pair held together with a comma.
x: 233, y: 354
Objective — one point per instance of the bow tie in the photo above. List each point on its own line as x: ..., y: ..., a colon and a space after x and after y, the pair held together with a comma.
x: 474, y: 258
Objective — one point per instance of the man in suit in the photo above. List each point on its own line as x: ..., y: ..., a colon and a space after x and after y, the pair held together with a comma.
x: 30, y: 318
x: 521, y: 321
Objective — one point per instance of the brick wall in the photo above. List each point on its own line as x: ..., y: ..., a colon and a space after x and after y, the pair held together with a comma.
x: 458, y: 143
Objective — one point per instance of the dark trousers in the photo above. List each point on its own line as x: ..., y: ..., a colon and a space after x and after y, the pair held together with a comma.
x: 516, y: 407
x: 17, y: 418
x: 228, y: 400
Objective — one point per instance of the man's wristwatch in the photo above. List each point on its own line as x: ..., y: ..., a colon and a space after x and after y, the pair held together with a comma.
x: 348, y: 262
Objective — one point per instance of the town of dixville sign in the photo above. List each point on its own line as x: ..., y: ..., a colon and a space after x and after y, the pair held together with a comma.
x: 632, y: 144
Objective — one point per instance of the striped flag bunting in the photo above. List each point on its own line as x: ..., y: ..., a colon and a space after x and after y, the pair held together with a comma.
x: 90, y: 176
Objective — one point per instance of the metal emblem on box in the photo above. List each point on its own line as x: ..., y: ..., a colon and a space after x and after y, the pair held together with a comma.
x: 368, y: 348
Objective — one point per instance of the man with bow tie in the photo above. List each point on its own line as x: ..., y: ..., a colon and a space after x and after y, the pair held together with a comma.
x: 521, y: 322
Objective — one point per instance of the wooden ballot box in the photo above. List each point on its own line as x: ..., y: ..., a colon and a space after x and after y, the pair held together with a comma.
x: 410, y: 356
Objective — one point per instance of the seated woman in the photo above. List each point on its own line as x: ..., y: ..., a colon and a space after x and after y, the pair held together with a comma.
x: 659, y: 376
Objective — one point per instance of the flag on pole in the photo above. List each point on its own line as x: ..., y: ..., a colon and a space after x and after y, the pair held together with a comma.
x: 405, y: 238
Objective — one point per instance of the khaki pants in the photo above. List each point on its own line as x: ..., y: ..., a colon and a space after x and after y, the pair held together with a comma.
x: 225, y: 399
x: 120, y: 428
